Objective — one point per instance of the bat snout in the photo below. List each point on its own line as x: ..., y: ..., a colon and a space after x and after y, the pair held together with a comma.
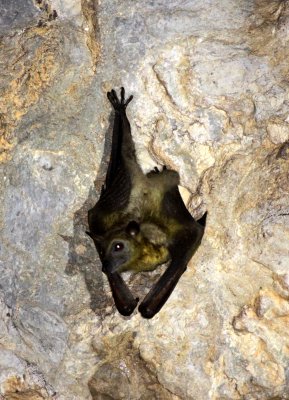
x: 112, y: 265
x: 108, y: 266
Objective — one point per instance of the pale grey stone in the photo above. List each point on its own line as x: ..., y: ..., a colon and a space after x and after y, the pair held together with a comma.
x: 15, y: 14
x: 210, y: 89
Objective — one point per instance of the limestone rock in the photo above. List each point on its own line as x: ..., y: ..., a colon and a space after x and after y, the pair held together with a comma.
x: 210, y: 86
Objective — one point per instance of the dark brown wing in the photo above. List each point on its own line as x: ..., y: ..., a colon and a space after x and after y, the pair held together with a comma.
x: 121, y: 137
x: 115, y: 193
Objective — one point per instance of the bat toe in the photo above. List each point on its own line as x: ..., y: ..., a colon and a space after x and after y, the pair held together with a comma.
x: 117, y: 104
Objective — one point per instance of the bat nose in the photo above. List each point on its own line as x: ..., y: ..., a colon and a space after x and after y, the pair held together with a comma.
x: 108, y: 266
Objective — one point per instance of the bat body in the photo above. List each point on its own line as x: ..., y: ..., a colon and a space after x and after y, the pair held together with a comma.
x: 140, y: 221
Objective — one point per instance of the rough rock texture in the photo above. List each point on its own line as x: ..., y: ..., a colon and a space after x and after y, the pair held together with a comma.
x: 210, y: 81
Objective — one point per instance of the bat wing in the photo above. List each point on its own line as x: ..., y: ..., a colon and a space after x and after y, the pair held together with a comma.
x: 174, y: 207
x: 115, y: 193
x: 113, y: 198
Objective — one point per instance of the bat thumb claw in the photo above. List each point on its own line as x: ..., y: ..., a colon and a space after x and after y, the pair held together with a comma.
x: 146, y: 311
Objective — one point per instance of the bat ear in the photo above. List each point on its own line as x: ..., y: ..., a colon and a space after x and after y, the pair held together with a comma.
x: 132, y: 228
x: 94, y: 237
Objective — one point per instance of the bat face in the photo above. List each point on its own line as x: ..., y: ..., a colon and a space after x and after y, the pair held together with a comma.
x: 140, y: 221
x: 135, y: 247
x: 118, y: 254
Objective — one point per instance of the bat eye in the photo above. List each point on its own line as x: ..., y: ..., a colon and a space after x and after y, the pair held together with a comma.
x: 118, y: 246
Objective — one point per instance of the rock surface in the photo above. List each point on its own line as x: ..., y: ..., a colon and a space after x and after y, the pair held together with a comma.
x: 211, y: 100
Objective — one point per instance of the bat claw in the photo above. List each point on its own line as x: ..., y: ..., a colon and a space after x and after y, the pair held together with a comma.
x: 122, y: 93
x: 157, y: 171
x: 154, y: 171
x: 146, y: 312
x: 128, y: 309
x: 128, y: 100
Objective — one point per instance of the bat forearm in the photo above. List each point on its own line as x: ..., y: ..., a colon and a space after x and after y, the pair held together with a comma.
x: 181, y: 252
x: 161, y: 291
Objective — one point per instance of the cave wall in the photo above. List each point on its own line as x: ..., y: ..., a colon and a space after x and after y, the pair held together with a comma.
x: 210, y: 86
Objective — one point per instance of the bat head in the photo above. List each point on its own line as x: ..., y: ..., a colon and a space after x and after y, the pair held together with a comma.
x: 134, y: 247
x: 116, y: 248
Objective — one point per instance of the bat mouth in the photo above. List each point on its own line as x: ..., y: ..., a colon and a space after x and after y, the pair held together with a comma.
x: 110, y: 266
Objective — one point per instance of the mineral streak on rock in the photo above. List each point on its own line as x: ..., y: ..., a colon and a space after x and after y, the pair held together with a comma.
x: 210, y: 83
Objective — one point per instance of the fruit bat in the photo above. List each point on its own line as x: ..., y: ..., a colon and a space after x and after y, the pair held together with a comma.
x: 140, y: 221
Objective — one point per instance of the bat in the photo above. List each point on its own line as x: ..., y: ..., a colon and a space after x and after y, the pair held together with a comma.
x: 140, y: 221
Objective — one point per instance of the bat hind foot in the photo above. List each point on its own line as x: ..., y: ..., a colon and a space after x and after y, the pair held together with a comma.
x: 157, y: 171
x: 118, y: 104
x: 154, y: 171
x: 166, y: 178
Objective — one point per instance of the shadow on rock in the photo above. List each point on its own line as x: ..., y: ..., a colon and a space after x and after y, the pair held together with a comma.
x: 83, y: 256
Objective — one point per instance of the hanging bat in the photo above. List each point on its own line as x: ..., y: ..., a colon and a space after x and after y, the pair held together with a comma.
x: 140, y: 221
